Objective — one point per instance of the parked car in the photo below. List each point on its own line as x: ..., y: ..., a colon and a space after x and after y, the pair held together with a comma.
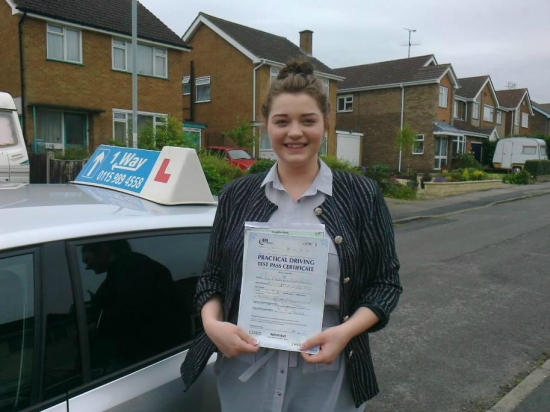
x: 234, y: 155
x: 97, y: 280
x: 511, y: 153
x: 14, y: 160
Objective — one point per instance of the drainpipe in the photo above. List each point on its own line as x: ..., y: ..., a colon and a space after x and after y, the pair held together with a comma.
x: 254, y: 102
x: 192, y: 91
x: 21, y: 72
x: 402, y: 110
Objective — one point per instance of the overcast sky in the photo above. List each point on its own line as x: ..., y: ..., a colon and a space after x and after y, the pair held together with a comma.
x: 507, y: 39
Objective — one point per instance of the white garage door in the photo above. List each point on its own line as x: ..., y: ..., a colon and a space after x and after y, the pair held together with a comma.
x: 348, y: 147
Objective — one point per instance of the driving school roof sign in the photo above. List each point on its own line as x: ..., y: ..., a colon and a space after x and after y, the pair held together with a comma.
x: 172, y: 176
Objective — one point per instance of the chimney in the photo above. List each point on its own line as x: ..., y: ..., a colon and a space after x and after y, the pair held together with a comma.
x: 306, y: 41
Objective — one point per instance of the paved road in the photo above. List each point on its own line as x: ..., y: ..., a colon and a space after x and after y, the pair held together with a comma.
x: 475, y: 313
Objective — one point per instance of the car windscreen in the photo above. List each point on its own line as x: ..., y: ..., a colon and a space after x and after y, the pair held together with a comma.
x: 239, y: 154
x: 8, y: 135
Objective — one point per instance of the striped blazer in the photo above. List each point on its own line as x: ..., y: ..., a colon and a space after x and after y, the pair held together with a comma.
x: 356, y: 218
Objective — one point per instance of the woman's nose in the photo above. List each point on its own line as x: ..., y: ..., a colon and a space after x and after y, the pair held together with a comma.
x: 295, y: 130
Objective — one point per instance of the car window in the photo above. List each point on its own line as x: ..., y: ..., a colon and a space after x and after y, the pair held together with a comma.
x: 62, y: 366
x: 239, y: 154
x: 16, y: 331
x: 138, y: 294
x: 217, y: 152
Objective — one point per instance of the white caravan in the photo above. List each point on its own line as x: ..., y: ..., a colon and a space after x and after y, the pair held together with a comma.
x: 511, y: 153
x: 14, y: 160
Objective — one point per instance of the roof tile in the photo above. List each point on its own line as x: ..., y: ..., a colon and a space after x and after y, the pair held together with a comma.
x: 413, y: 69
x: 110, y: 15
x: 470, y: 86
x: 266, y: 45
x: 510, y: 99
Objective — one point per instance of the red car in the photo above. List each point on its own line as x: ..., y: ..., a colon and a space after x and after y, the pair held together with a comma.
x: 234, y: 155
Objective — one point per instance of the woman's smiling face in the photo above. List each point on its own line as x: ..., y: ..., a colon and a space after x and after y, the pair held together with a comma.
x: 296, y: 127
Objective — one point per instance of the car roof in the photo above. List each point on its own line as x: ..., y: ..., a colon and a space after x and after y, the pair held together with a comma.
x: 35, y: 213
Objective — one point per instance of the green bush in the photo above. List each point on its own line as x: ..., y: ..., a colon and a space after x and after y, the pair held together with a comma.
x: 399, y: 191
x: 488, y: 148
x: 262, y: 165
x: 218, y: 171
x: 72, y: 153
x: 537, y: 167
x: 465, y: 161
x: 336, y: 164
x: 521, y: 178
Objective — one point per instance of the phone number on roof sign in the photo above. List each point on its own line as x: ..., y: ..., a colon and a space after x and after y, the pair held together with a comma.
x: 120, y: 179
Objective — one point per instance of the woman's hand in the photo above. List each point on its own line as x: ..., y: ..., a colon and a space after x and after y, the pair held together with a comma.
x: 332, y: 341
x: 230, y: 339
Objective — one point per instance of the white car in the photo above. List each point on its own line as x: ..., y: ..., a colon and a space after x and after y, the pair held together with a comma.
x: 97, y: 285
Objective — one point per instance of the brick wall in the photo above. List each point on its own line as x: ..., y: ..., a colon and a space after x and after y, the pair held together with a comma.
x: 377, y: 114
x: 93, y: 84
x: 9, y: 51
x: 445, y: 114
x: 231, y: 74
x: 487, y: 99
x: 540, y: 124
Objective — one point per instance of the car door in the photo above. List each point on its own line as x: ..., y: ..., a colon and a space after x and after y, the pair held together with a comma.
x: 133, y: 351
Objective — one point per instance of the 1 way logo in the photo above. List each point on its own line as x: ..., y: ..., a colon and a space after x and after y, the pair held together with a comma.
x: 129, y: 161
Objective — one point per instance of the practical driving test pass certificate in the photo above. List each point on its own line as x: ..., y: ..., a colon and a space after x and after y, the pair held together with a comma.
x: 283, y: 287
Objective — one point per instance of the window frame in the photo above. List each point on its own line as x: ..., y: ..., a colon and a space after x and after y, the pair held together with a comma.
x: 475, y: 111
x: 516, y: 117
x: 525, y: 120
x: 491, y: 110
x: 186, y: 85
x: 348, y: 100
x: 127, y: 63
x: 443, y: 97
x: 499, y: 117
x: 417, y: 140
x: 63, y: 35
x: 273, y: 73
x: 126, y: 114
x: 201, y: 82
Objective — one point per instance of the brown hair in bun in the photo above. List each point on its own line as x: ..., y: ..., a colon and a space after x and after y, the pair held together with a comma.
x: 297, y: 77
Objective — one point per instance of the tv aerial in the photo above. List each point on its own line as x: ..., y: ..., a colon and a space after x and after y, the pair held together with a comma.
x: 410, y: 43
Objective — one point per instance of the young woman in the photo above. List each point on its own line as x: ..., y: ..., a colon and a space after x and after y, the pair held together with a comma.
x: 362, y: 285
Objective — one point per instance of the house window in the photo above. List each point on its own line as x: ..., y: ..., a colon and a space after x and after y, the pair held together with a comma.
x: 273, y: 73
x: 323, y: 150
x: 455, y: 109
x: 488, y: 113
x: 122, y: 124
x: 57, y: 129
x: 475, y: 111
x: 345, y: 103
x: 186, y: 85
x: 524, y: 120
x: 443, y: 96
x: 516, y: 117
x: 458, y: 145
x: 499, y: 117
x: 203, y: 89
x: 64, y: 44
x: 418, y: 145
x: 151, y: 61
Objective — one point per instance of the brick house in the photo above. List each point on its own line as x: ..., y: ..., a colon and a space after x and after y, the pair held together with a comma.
x: 517, y: 104
x: 69, y: 69
x: 540, y: 123
x: 378, y: 99
x: 231, y: 67
x: 477, y: 114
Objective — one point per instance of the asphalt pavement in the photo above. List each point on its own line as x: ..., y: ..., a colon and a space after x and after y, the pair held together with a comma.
x: 532, y: 394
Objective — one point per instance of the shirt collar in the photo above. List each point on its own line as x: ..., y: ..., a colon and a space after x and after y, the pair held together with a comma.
x: 321, y: 183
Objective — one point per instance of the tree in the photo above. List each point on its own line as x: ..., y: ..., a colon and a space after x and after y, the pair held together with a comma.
x: 242, y: 134
x: 168, y: 133
x: 406, y: 138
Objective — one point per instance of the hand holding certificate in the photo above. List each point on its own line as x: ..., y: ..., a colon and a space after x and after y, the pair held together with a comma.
x: 283, y: 287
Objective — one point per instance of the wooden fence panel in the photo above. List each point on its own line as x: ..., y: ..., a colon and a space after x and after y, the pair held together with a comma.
x: 45, y: 169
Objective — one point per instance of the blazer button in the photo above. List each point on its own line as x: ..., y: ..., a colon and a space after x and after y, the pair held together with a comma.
x: 338, y: 239
x: 350, y: 354
x: 346, y: 318
x: 346, y: 280
x: 318, y: 211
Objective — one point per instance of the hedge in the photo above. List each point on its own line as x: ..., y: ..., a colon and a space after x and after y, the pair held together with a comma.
x: 538, y: 167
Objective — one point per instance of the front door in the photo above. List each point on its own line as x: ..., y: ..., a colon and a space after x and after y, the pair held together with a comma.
x: 440, y: 152
x: 75, y: 130
x: 477, y: 151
